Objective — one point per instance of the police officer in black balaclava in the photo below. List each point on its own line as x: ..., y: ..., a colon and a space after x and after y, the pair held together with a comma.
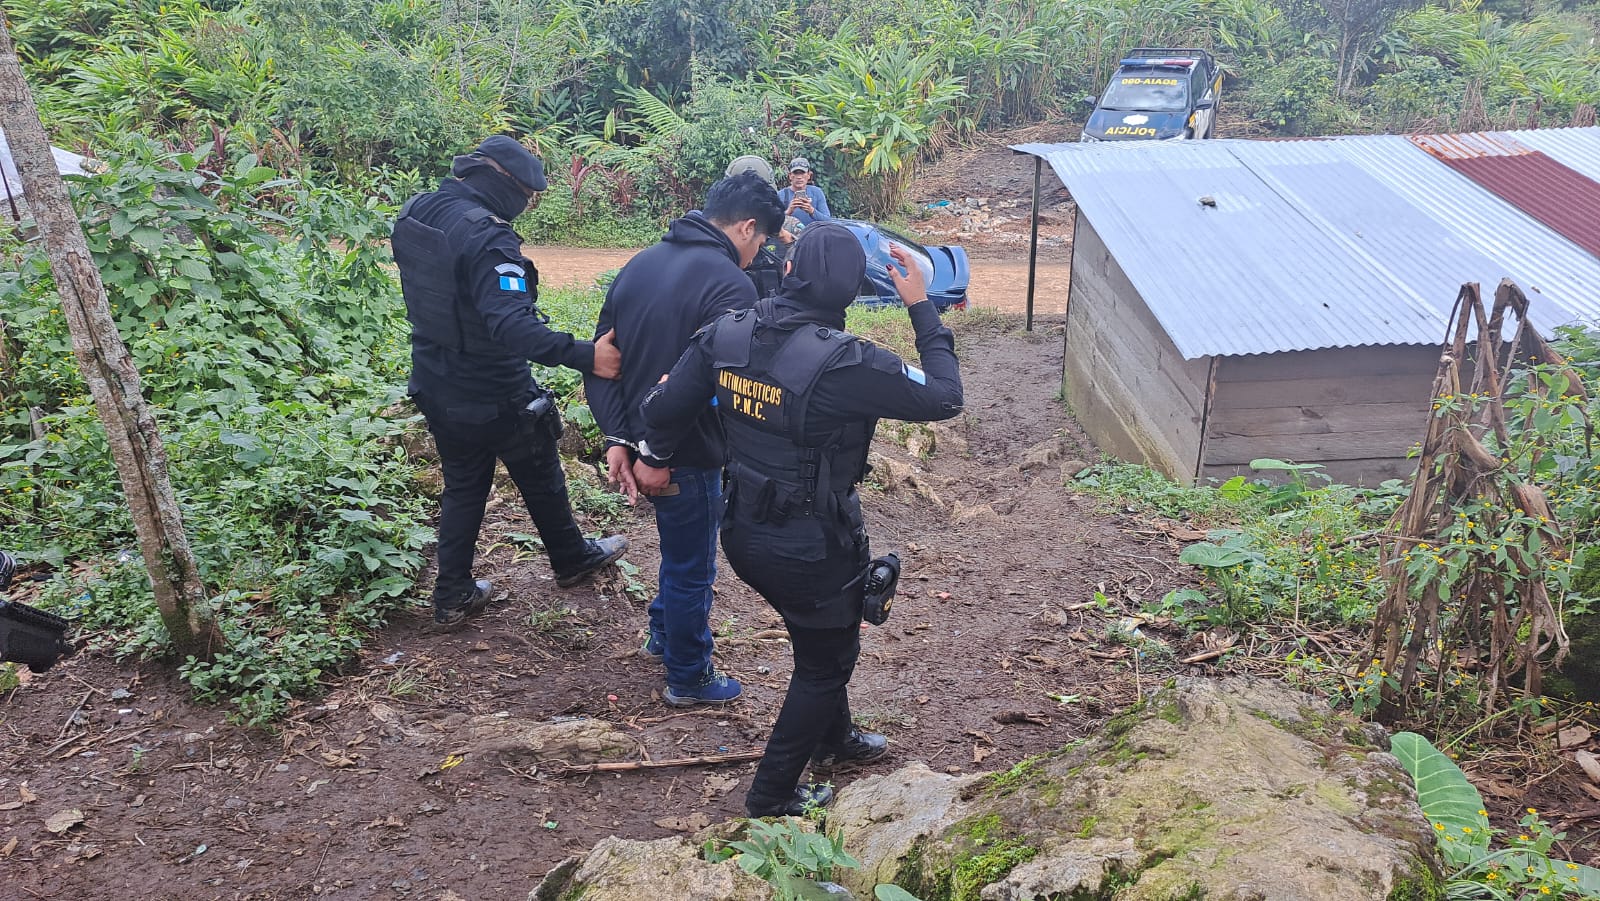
x: 800, y: 398
x: 472, y: 299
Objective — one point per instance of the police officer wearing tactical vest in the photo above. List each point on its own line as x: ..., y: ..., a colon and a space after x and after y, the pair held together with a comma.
x: 799, y: 399
x: 472, y: 298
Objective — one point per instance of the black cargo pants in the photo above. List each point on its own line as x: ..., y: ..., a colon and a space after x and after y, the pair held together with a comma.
x: 815, y: 714
x: 467, y: 453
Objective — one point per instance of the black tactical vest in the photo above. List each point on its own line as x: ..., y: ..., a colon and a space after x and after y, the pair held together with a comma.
x: 434, y: 282
x: 764, y: 390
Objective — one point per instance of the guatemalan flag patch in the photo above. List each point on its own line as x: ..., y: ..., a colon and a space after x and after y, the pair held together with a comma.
x: 511, y: 277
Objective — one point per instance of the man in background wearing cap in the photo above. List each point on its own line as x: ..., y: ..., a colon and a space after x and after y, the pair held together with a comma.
x: 802, y: 199
x: 472, y: 298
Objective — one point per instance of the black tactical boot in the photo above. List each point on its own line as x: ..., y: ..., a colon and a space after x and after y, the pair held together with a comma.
x: 602, y: 553
x: 805, y: 798
x: 448, y: 618
x: 859, y: 747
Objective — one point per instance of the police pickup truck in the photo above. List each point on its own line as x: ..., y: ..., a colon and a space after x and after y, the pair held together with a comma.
x: 1157, y: 94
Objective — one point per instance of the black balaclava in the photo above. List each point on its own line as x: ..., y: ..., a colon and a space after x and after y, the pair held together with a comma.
x: 828, y: 266
x: 503, y: 195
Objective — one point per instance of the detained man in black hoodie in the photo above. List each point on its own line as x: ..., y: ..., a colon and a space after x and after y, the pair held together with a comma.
x: 658, y: 301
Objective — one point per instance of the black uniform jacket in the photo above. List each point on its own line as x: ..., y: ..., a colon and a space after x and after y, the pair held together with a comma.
x: 495, y: 282
x: 658, y: 301
x: 881, y: 386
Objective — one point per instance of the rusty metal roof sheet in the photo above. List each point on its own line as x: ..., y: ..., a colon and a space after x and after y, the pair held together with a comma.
x: 1336, y: 242
x: 1575, y: 148
x: 1539, y: 185
x: 1471, y: 145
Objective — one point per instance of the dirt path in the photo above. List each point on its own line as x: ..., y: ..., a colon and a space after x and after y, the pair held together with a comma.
x: 999, y: 275
x: 350, y: 799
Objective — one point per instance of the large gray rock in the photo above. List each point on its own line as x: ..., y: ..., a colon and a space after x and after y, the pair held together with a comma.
x: 512, y: 739
x: 670, y: 868
x: 1236, y: 790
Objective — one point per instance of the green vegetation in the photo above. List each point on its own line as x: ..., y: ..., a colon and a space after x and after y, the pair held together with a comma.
x: 267, y: 332
x: 793, y: 859
x: 1294, y: 550
x: 1522, y: 868
x: 639, y: 104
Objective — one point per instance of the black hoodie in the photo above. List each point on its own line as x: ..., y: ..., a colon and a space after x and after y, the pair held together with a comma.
x: 658, y: 301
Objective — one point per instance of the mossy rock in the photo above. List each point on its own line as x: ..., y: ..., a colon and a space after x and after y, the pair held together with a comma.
x: 1238, y: 789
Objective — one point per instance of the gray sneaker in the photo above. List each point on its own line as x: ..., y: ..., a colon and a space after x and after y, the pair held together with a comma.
x: 602, y: 553
x: 454, y: 616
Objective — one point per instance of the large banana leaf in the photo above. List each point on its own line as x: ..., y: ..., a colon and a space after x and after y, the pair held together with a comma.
x: 1447, y: 798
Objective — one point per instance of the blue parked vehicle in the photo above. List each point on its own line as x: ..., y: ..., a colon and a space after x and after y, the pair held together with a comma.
x: 943, y: 266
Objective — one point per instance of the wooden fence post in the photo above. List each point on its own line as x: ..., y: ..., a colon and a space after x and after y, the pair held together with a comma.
x: 108, y: 370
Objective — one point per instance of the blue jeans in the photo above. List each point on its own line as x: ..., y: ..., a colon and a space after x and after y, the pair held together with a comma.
x: 681, y: 612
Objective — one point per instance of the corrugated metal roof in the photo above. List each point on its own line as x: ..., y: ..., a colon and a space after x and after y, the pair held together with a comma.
x: 1506, y: 242
x: 1470, y: 145
x: 1560, y: 197
x: 1575, y: 148
x: 1320, y: 243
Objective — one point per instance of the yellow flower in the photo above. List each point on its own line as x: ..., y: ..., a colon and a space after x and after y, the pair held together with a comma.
x: 1483, y: 813
x: 1544, y: 889
x: 1533, y: 811
x: 1522, y: 838
x: 1439, y: 826
x: 1494, y: 875
x: 1466, y: 830
x: 1572, y: 866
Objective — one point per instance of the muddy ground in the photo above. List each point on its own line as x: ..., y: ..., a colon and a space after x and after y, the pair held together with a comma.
x: 114, y: 785
x: 999, y: 275
x: 350, y: 798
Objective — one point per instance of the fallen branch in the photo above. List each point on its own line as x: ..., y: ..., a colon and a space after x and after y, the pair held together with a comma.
x: 629, y: 765
x: 763, y: 635
x: 1203, y: 656
x: 74, y: 714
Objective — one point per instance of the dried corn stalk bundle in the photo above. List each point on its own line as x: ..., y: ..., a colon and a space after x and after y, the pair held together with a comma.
x: 1456, y: 603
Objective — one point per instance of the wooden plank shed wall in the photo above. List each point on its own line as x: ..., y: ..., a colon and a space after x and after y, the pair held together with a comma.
x: 1128, y: 386
x: 1355, y: 410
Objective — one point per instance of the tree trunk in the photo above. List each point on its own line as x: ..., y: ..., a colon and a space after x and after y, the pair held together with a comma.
x: 109, y: 372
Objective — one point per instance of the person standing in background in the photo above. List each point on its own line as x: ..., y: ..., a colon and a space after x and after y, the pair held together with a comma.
x: 802, y: 199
